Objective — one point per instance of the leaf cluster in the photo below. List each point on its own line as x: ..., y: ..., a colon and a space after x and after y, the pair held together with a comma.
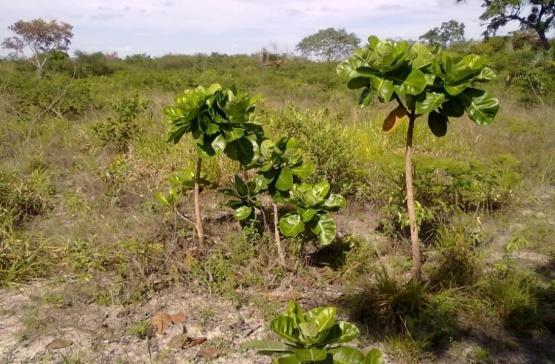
x: 314, y: 336
x: 422, y: 80
x: 219, y: 119
x: 313, y: 202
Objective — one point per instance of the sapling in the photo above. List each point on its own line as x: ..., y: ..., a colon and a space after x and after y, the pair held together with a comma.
x: 220, y: 121
x: 421, y: 81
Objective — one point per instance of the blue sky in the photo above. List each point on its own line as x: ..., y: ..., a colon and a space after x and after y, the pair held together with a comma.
x: 159, y: 27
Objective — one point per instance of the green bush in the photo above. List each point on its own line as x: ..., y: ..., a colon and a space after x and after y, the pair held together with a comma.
x: 56, y: 94
x: 326, y: 141
x: 444, y: 186
x: 22, y: 197
x: 118, y: 131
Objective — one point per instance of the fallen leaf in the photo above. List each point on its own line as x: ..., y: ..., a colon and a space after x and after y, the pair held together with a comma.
x: 178, y: 318
x: 58, y: 344
x: 161, y: 321
x: 181, y: 341
x: 194, y: 341
x: 209, y: 353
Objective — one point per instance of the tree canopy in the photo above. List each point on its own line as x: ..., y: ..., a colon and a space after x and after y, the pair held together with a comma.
x: 329, y: 44
x: 41, y: 37
x: 536, y: 15
x: 449, y: 32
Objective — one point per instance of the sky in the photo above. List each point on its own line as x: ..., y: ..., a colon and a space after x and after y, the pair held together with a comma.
x: 159, y: 27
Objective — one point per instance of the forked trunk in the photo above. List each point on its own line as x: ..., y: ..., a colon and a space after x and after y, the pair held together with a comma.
x: 281, y: 256
x: 198, y: 216
x: 415, y: 244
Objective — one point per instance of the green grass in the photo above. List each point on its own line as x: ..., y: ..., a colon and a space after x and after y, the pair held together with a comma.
x: 77, y: 185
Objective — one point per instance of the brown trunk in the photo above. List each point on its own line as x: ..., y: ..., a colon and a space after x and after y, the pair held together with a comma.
x: 198, y: 216
x: 543, y: 38
x: 281, y: 256
x: 416, y: 260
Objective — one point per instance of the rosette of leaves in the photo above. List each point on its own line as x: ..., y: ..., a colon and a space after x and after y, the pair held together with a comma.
x: 313, y: 204
x: 422, y: 81
x: 180, y: 183
x: 282, y: 165
x: 244, y: 200
x: 428, y: 81
x: 314, y: 336
x: 219, y: 119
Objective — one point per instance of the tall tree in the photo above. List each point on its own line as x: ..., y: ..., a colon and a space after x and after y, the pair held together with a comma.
x: 329, y: 44
x: 536, y: 15
x: 449, y: 32
x: 40, y: 37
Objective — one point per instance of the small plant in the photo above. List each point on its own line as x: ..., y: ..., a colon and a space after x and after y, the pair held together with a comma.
x: 313, y: 337
x: 117, y: 132
x: 281, y: 166
x: 220, y: 121
x: 244, y: 200
x: 313, y: 202
x: 421, y: 81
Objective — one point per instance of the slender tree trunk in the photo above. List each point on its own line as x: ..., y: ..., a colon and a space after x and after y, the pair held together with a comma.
x: 543, y: 38
x: 198, y: 216
x: 416, y: 259
x: 281, y: 256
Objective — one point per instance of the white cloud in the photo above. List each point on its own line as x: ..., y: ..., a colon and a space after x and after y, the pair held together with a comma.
x: 234, y: 26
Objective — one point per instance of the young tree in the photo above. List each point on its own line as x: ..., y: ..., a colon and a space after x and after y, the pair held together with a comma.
x: 329, y: 44
x: 40, y: 37
x: 421, y: 81
x: 220, y: 121
x: 449, y: 32
x: 536, y: 15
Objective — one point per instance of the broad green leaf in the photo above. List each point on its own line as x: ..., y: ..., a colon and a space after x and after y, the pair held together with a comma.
x: 382, y: 87
x: 428, y: 102
x: 365, y: 97
x: 241, y: 150
x: 358, y: 82
x: 288, y: 359
x: 308, y: 214
x: 324, y: 319
x: 241, y: 186
x: 266, y: 148
x: 310, y: 355
x: 486, y: 74
x: 243, y: 213
x: 438, y: 123
x: 165, y: 199
x: 325, y: 229
x: 284, y: 181
x: 347, y: 355
x: 285, y: 327
x: 480, y: 106
x: 212, y: 129
x: 234, y: 134
x: 304, y: 170
x: 291, y: 225
x: 335, y: 201
x: 219, y: 144
x: 393, y: 119
x: 453, y: 107
x: 348, y: 331
x: 374, y: 356
x: 266, y: 346
x: 308, y: 329
x: 321, y: 189
x: 414, y: 84
x: 456, y: 89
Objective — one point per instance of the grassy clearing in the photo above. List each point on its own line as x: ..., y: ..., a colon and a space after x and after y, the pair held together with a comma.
x: 77, y: 185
